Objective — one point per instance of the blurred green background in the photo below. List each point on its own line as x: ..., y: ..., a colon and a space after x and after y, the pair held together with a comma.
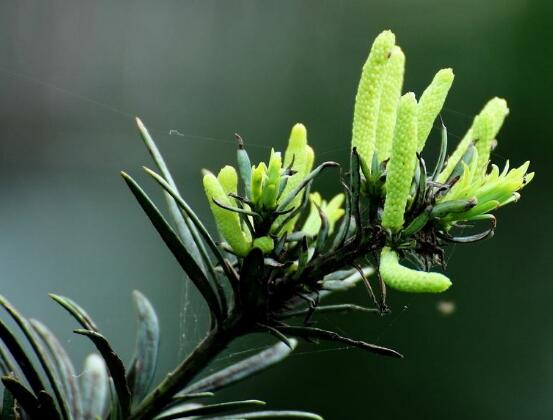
x: 74, y: 73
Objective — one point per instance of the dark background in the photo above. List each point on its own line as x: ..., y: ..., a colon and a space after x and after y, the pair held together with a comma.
x: 74, y: 73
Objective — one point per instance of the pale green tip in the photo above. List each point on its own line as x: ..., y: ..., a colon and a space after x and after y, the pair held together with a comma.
x: 228, y: 178
x: 298, y: 136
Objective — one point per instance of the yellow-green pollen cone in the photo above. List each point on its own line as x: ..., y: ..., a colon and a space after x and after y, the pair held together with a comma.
x: 401, y: 167
x: 461, y: 188
x: 389, y: 101
x: 300, y: 156
x: 367, y: 101
x: 408, y: 280
x: 431, y: 103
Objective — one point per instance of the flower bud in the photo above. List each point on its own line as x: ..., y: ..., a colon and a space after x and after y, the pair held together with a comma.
x: 258, y: 177
x: 228, y: 222
x: 302, y: 156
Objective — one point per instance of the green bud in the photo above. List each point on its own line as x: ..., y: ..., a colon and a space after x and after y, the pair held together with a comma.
x: 303, y: 157
x: 271, y: 182
x: 389, y: 100
x: 401, y: 167
x: 258, y: 177
x: 405, y: 279
x: 228, y: 222
x: 229, y: 179
x: 244, y: 167
x: 431, y: 103
x: 365, y: 116
x: 275, y: 168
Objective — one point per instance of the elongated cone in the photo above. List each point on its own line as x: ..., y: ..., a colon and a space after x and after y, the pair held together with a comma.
x: 405, y: 279
x: 431, y: 103
x: 228, y: 222
x: 367, y: 101
x: 389, y: 101
x: 302, y: 156
x: 401, y: 167
x: 495, y: 110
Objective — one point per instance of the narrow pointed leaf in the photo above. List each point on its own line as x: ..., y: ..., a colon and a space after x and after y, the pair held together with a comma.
x: 190, y: 213
x: 318, y: 333
x: 6, y: 365
x: 244, y: 166
x: 76, y: 311
x: 9, y: 409
x: 344, y: 226
x: 243, y: 369
x: 115, y: 368
x: 341, y: 308
x: 285, y: 203
x: 211, y: 410
x: 20, y: 356
x: 143, y: 366
x: 273, y: 415
x: 41, y: 355
x: 22, y: 395
x: 277, y: 334
x: 442, y: 155
x: 65, y: 375
x: 355, y: 185
x: 182, y: 224
x: 237, y: 209
x: 186, y: 396
x: 322, y: 236
x: 417, y: 223
x: 47, y: 407
x: 177, y: 248
x: 294, y: 213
